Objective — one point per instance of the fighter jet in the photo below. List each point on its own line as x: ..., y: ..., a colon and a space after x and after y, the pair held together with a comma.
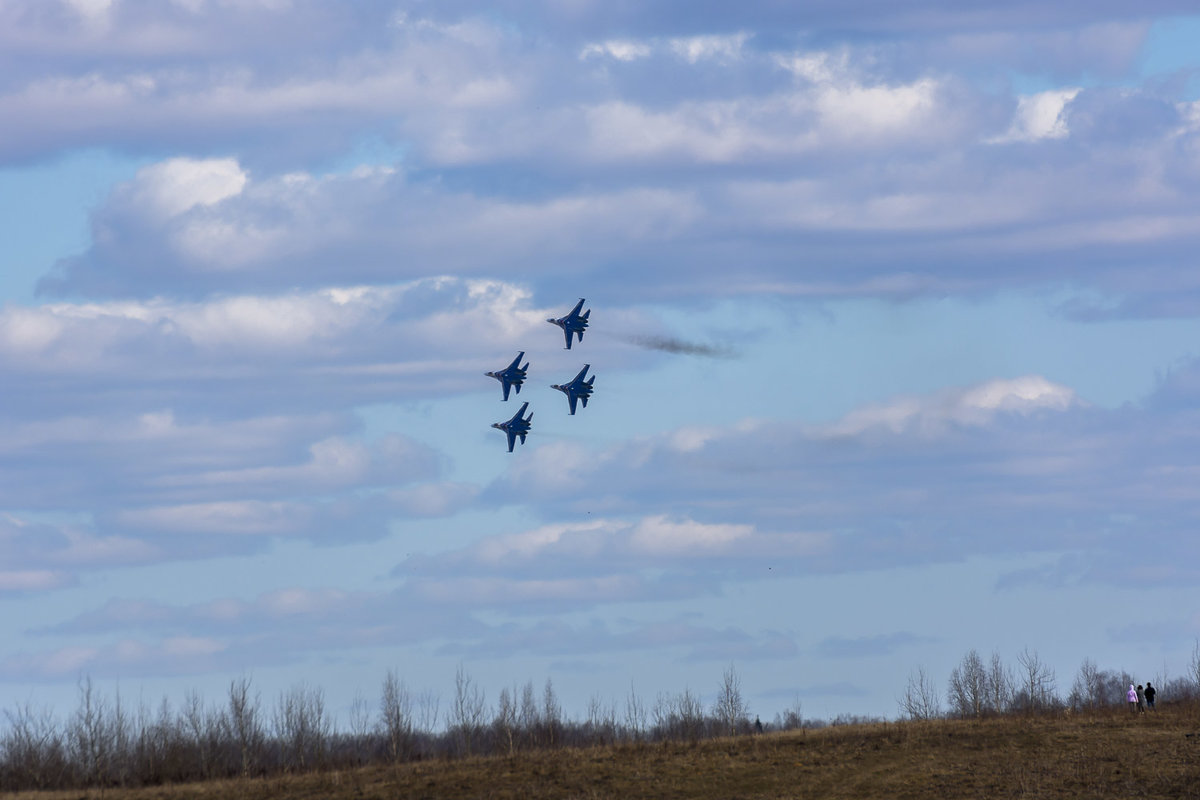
x: 578, y: 389
x: 516, y: 426
x: 511, y: 376
x: 573, y: 322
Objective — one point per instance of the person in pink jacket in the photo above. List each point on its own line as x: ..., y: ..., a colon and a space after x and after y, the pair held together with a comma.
x: 1131, y: 696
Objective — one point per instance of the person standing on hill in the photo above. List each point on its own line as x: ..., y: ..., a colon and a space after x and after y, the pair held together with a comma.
x: 1131, y: 696
x: 1141, y: 700
x: 1150, y: 692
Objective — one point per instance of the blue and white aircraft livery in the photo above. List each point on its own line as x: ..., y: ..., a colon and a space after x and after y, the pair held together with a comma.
x: 577, y: 389
x: 517, y: 426
x: 573, y: 322
x: 512, y: 376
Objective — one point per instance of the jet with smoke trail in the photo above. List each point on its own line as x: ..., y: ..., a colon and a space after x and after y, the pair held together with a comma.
x: 574, y: 322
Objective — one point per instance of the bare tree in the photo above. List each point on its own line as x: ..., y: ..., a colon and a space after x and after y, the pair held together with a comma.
x: 601, y: 725
x: 1194, y: 667
x: 967, y: 690
x: 395, y: 717
x: 244, y: 725
x: 730, y: 707
x: 792, y: 717
x: 552, y: 718
x: 690, y: 712
x: 428, y: 710
x: 505, y: 722
x: 921, y: 699
x: 89, y: 736
x: 359, y: 728
x: 635, y: 715
x: 202, y: 727
x: 530, y: 715
x: 33, y: 749
x: 1037, y: 682
x: 468, y: 712
x: 1088, y: 690
x: 1000, y: 685
x: 678, y: 716
x: 302, y: 727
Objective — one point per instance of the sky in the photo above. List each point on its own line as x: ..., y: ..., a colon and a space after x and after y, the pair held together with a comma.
x: 895, y: 324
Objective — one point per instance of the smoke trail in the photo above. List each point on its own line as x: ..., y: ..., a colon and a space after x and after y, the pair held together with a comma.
x: 670, y: 344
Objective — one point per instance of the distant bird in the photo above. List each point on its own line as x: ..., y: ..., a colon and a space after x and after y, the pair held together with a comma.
x: 511, y: 376
x: 573, y: 322
x: 577, y: 389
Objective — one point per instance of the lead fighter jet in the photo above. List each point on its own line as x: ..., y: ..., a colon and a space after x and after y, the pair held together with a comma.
x: 573, y: 322
x: 577, y: 389
x: 517, y: 426
x: 511, y: 376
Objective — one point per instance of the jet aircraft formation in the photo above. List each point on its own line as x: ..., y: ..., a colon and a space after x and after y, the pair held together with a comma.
x: 513, y: 376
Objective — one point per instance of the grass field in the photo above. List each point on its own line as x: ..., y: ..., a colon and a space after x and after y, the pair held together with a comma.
x: 1106, y: 755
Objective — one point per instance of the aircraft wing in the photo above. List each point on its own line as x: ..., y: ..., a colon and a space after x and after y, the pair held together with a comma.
x: 575, y: 311
x: 517, y: 361
x: 506, y: 386
x: 571, y: 398
x: 582, y: 372
x: 512, y: 440
x: 567, y: 331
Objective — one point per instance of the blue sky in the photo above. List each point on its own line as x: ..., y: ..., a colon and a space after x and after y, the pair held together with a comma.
x: 894, y: 329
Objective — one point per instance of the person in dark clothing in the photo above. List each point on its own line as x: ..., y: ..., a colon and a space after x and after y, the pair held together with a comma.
x: 1141, y: 700
x: 1150, y: 692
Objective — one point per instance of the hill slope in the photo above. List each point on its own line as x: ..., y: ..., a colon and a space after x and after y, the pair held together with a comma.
x: 1117, y: 755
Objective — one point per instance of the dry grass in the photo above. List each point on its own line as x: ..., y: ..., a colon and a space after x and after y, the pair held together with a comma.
x: 1109, y: 755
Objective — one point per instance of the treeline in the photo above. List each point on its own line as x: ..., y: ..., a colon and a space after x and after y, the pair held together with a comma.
x: 109, y: 742
x: 978, y: 687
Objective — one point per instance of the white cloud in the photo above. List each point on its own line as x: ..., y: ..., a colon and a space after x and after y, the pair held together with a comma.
x: 95, y: 14
x: 700, y: 48
x: 36, y: 580
x: 527, y: 545
x: 341, y: 325
x: 295, y: 601
x: 866, y: 111
x: 619, y: 49
x: 1039, y: 116
x: 661, y: 535
x: 692, y: 49
x: 236, y: 518
x: 172, y: 187
x: 975, y: 405
x: 506, y: 592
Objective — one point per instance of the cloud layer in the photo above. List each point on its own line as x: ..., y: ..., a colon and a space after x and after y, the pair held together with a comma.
x: 337, y: 216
